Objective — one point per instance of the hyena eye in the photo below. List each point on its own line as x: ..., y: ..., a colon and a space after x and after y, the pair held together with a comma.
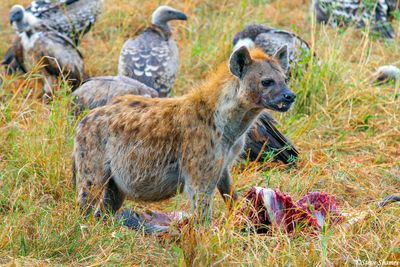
x: 267, y: 83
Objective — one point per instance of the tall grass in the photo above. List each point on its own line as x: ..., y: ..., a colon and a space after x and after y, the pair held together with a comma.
x: 347, y: 130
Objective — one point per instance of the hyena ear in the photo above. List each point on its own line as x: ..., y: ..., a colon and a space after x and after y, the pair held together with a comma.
x: 283, y: 58
x: 239, y: 60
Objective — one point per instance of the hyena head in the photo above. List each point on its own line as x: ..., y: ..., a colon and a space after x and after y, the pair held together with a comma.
x: 262, y: 80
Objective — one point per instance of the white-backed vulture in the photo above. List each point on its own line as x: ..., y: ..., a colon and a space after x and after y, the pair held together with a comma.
x: 346, y: 12
x: 152, y: 58
x: 72, y: 18
x: 37, y: 43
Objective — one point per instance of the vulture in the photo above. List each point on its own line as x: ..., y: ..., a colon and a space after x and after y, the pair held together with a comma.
x: 270, y: 40
x: 37, y: 43
x: 98, y: 91
x: 152, y: 58
x: 345, y: 12
x: 385, y: 74
x: 72, y: 18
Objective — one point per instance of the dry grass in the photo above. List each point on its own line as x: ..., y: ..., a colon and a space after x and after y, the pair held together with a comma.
x: 346, y: 129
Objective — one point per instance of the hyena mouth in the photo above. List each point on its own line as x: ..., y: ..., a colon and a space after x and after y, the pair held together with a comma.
x: 282, y: 106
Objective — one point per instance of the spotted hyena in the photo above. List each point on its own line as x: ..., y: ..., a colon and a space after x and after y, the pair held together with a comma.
x: 150, y: 149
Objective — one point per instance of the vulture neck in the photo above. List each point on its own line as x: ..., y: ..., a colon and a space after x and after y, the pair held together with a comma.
x: 27, y: 24
x: 21, y: 26
x: 163, y: 32
x: 162, y: 24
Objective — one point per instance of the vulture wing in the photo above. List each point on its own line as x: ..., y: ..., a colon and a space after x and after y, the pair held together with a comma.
x: 265, y: 141
x: 9, y: 63
x: 13, y: 60
x: 18, y: 52
x: 59, y: 55
x: 99, y: 91
x: 150, y: 59
x: 69, y: 17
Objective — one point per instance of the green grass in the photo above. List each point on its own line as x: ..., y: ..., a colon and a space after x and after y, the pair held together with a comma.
x: 347, y: 130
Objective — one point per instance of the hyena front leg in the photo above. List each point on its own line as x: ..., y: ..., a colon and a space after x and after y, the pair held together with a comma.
x: 87, y: 180
x: 226, y: 189
x: 200, y: 194
x: 112, y: 198
x: 87, y: 196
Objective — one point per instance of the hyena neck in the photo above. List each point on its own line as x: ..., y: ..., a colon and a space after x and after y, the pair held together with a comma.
x: 232, y: 117
x: 219, y: 95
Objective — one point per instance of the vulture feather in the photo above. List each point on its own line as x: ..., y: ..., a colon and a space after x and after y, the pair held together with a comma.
x: 152, y: 58
x: 98, y: 91
x: 270, y: 40
x: 393, y: 5
x: 264, y: 141
x: 69, y: 17
x: 37, y: 43
x: 72, y: 18
x: 345, y: 12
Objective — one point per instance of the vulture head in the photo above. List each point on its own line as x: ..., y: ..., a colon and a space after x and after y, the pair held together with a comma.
x: 17, y: 13
x: 20, y: 19
x: 163, y: 14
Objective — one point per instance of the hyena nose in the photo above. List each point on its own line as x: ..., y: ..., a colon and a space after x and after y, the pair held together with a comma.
x: 289, y: 96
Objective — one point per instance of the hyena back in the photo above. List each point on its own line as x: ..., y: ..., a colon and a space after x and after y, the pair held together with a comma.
x: 151, y: 149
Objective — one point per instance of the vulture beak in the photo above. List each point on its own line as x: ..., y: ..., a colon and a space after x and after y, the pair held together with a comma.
x: 181, y: 16
x: 14, y: 16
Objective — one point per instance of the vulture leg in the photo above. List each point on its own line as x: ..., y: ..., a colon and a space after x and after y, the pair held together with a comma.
x: 50, y: 82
